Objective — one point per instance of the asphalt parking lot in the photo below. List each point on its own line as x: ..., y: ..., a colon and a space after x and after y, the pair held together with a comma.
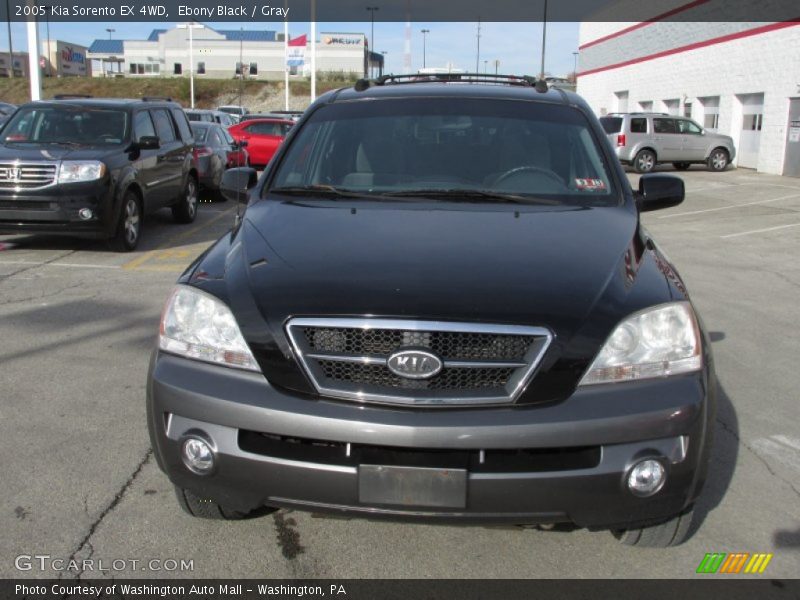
x: 77, y: 323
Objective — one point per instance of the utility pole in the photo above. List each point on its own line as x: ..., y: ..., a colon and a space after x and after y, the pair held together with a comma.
x: 371, y: 10
x: 424, y: 49
x: 241, y: 65
x: 10, y: 47
x: 478, y: 56
x: 190, y: 27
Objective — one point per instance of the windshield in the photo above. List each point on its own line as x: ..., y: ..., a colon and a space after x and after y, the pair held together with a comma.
x: 441, y: 147
x: 67, y: 125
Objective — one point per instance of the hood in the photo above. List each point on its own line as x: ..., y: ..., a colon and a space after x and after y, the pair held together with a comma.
x: 528, y: 265
x: 23, y: 151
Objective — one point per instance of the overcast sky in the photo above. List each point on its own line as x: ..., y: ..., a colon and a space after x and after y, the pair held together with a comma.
x: 516, y: 45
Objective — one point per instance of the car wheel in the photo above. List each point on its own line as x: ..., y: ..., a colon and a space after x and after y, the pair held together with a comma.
x: 681, y: 166
x: 670, y: 533
x: 645, y: 161
x: 129, y: 225
x: 185, y: 210
x: 718, y: 159
x: 204, y: 508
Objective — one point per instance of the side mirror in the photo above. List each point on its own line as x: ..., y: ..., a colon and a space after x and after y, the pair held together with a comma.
x: 243, y: 143
x: 237, y: 183
x: 658, y: 191
x: 148, y: 142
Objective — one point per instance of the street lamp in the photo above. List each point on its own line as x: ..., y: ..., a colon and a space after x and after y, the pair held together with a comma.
x: 110, y: 31
x: 191, y: 26
x: 424, y: 34
x: 575, y: 67
x: 485, y: 66
x: 383, y: 64
x: 544, y: 38
x: 371, y: 10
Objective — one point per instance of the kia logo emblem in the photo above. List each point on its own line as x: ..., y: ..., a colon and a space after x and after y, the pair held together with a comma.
x: 414, y: 364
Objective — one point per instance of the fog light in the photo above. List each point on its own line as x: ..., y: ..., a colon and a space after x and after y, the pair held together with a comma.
x: 647, y: 477
x: 198, y: 456
x: 85, y: 213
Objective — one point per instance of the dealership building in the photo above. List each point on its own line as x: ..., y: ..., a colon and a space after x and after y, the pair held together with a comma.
x: 217, y: 53
x: 740, y: 79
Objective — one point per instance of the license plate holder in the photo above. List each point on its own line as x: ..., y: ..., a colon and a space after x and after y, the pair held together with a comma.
x: 412, y: 486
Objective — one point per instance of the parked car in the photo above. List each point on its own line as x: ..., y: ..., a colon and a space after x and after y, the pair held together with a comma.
x: 236, y: 111
x: 214, y: 152
x: 292, y: 115
x: 645, y: 140
x: 6, y: 110
x: 95, y: 167
x: 263, y: 137
x: 210, y: 116
x: 439, y: 304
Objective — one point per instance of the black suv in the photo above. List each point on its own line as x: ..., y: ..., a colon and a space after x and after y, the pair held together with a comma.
x: 94, y: 167
x: 439, y: 304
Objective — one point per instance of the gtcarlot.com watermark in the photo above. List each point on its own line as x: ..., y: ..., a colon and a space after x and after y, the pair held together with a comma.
x: 47, y: 563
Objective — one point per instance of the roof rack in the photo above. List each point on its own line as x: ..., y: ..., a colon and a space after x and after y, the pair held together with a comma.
x: 156, y: 99
x: 540, y: 85
x: 71, y: 96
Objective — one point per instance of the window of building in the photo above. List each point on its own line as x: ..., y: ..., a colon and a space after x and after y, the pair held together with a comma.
x: 687, y: 109
x: 177, y: 69
x: 752, y: 122
x: 710, y: 106
x: 201, y: 68
x: 253, y: 68
x: 639, y: 125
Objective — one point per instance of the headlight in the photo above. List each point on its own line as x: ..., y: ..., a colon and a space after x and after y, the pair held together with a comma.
x: 197, y: 325
x: 72, y: 171
x: 663, y: 340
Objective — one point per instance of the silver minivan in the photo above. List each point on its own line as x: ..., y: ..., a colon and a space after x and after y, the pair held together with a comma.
x: 644, y: 140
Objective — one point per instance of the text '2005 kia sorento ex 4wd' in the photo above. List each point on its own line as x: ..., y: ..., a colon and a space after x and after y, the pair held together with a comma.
x: 439, y: 304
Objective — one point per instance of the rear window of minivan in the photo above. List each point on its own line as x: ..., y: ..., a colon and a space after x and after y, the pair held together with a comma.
x: 611, y: 124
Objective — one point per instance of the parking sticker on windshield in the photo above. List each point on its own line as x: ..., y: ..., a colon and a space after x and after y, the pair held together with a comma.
x: 590, y: 185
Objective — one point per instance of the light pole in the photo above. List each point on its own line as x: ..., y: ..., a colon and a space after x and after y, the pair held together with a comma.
x: 371, y: 10
x: 496, y: 65
x: 575, y: 67
x: 49, y: 51
x: 425, y: 32
x: 485, y: 66
x: 10, y: 47
x: 478, y: 55
x: 383, y: 64
x: 544, y: 38
x: 110, y: 31
x: 191, y: 26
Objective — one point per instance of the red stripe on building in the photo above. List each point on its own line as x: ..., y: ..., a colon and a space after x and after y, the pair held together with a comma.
x: 703, y: 44
x: 660, y: 17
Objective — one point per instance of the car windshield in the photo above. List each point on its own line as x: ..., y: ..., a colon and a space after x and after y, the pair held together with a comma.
x: 445, y: 147
x: 67, y: 125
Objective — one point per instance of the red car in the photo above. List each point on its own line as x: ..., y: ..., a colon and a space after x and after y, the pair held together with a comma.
x: 263, y: 136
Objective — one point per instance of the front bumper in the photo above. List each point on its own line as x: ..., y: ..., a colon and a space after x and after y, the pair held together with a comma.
x: 666, y: 419
x: 54, y: 210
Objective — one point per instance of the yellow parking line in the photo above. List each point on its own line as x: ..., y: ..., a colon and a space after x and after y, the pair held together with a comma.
x: 172, y: 241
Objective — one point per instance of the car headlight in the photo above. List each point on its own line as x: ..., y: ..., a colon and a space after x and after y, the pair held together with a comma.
x: 72, y: 171
x: 197, y: 325
x: 660, y: 341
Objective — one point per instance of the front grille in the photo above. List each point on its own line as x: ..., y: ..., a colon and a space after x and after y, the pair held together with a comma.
x: 25, y: 176
x: 480, y: 364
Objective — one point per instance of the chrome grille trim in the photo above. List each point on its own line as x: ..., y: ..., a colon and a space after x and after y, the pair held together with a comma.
x: 413, y: 392
x: 17, y: 176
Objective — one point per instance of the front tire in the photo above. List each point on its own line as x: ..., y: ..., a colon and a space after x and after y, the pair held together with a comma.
x: 670, y: 533
x: 645, y: 161
x: 204, y: 508
x: 129, y: 225
x: 718, y: 159
x: 185, y: 210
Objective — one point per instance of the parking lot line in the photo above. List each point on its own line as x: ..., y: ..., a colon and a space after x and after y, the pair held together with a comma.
x: 172, y: 241
x: 733, y: 235
x: 708, y: 210
x: 55, y: 264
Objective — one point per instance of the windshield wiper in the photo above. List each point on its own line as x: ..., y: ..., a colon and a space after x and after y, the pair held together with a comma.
x: 468, y: 194
x: 323, y: 190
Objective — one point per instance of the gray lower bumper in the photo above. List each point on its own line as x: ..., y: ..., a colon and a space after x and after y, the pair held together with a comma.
x: 664, y: 419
